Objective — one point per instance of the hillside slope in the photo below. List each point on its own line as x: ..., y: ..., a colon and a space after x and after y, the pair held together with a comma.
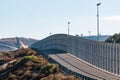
x: 25, y: 64
x: 9, y: 44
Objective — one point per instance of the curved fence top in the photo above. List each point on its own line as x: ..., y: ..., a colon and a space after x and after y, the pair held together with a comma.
x: 67, y: 38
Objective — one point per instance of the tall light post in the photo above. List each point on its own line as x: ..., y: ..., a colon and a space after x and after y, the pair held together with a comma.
x: 68, y: 36
x: 98, y: 21
x: 68, y: 28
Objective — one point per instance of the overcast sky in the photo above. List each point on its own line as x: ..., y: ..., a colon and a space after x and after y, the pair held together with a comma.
x: 38, y: 18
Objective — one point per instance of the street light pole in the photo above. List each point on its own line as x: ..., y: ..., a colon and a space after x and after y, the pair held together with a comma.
x: 98, y: 21
x: 68, y: 28
x: 68, y: 37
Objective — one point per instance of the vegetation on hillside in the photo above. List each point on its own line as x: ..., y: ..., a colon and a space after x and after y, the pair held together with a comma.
x: 114, y: 38
x: 25, y: 64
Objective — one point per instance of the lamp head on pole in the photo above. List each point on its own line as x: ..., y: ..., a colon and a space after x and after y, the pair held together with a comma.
x: 68, y: 22
x: 98, y: 4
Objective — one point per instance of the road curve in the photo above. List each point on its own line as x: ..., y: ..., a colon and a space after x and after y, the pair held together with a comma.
x: 77, y: 65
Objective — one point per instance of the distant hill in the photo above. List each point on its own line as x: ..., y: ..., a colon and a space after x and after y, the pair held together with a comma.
x: 9, y: 44
x: 101, y: 38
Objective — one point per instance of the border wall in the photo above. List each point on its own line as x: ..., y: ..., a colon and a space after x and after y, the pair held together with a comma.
x: 103, y: 55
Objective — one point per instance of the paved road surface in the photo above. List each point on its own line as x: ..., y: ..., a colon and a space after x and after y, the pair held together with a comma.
x: 79, y: 66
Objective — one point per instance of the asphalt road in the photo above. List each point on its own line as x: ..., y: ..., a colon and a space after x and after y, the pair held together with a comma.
x: 77, y: 65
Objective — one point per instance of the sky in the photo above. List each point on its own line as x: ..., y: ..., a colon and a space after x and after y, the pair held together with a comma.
x: 38, y: 18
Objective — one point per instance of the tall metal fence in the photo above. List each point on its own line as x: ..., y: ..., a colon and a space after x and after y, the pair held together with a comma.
x: 103, y: 55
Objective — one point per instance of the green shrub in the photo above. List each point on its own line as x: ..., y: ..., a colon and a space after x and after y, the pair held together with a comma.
x: 24, y: 60
x: 114, y: 38
x: 1, y: 54
x: 30, y: 57
x: 49, y: 68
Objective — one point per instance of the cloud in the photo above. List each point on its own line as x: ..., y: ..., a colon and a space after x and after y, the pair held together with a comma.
x: 110, y: 18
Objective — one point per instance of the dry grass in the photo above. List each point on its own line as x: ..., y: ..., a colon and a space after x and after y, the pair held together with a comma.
x: 32, y: 68
x: 59, y: 76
